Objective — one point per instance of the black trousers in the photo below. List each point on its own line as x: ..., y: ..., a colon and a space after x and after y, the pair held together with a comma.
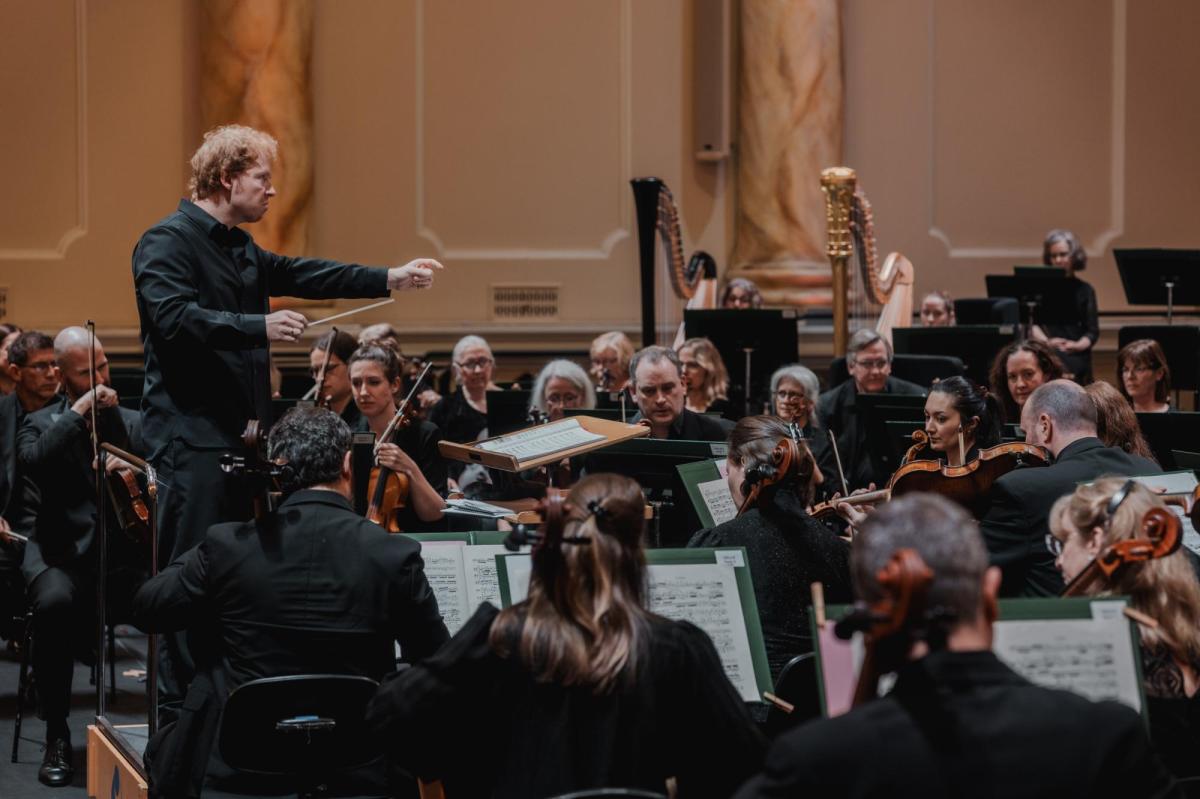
x: 63, y: 602
x: 194, y: 495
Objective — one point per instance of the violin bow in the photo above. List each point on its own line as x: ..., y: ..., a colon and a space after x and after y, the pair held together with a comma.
x: 314, y: 393
x: 391, y: 426
x: 962, y: 449
x: 837, y: 458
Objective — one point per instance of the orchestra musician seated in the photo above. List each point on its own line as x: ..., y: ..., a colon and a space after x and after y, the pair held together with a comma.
x: 1061, y: 417
x: 1163, y: 590
x: 311, y: 588
x: 561, y: 385
x: 1116, y: 423
x: 610, y: 354
x: 869, y: 360
x: 462, y: 417
x: 705, y: 376
x: 1017, y: 370
x: 958, y: 722
x: 1074, y: 336
x: 786, y: 549
x: 336, y: 392
x: 412, y: 450
x: 8, y: 334
x: 937, y: 310
x: 56, y: 507
x: 795, y: 392
x: 960, y: 419
x: 741, y: 293
x: 579, y: 686
x: 1143, y: 376
x: 657, y: 386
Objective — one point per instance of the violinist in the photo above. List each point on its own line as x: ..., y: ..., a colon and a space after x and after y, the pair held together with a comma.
x: 610, y: 354
x: 335, y: 392
x: 412, y: 452
x: 960, y: 420
x: 795, y: 392
x: 1061, y: 417
x: 786, y: 549
x: 1143, y: 376
x: 958, y: 722
x: 1018, y: 370
x: 1164, y: 590
x: 462, y: 417
x: 57, y: 509
x: 561, y: 385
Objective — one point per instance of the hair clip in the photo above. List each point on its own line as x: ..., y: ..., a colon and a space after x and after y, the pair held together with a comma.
x: 596, y: 508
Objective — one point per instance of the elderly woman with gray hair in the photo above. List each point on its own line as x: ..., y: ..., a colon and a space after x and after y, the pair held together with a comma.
x: 561, y: 385
x: 795, y: 391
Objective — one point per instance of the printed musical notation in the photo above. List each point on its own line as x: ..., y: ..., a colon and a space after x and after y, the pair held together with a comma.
x: 462, y: 577
x: 718, y: 500
x: 543, y: 440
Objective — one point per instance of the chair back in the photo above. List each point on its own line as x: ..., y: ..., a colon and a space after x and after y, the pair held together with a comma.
x: 987, y: 311
x: 302, y: 724
x: 797, y: 685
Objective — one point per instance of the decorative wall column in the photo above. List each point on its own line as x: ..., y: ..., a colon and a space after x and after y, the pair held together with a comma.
x: 254, y: 70
x: 790, y: 128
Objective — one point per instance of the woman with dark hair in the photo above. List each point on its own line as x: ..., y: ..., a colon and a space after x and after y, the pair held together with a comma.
x: 956, y: 407
x: 741, y: 293
x: 578, y: 686
x: 786, y: 549
x: 1072, y: 340
x: 1017, y: 370
x: 1143, y: 376
x: 1116, y: 423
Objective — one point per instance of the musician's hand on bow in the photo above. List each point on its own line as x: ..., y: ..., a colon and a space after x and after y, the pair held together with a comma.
x: 103, y: 396
x: 396, y: 459
x: 285, y: 326
x: 417, y: 274
x: 428, y: 398
x: 113, y: 464
x: 5, y: 529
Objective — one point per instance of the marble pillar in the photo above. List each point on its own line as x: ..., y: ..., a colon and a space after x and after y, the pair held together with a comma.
x: 790, y: 128
x: 254, y: 70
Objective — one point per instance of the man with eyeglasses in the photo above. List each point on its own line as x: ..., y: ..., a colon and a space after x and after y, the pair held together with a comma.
x: 869, y: 360
x: 337, y: 388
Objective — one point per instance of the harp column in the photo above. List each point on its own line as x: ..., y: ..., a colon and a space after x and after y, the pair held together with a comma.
x: 790, y: 128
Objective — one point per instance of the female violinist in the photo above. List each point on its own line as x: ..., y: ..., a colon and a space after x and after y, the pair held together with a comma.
x: 610, y: 354
x: 412, y: 450
x: 1163, y: 589
x: 1017, y: 370
x: 960, y: 420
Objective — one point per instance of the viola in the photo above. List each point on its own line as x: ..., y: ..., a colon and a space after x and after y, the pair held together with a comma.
x: 1161, y: 534
x: 785, y: 459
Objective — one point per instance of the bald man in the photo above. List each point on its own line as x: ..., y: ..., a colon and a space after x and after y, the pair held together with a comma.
x: 56, y: 507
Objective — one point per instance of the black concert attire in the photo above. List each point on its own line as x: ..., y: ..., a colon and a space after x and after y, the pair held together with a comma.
x: 787, y: 551
x: 1174, y: 716
x: 961, y: 724
x: 202, y: 295
x: 1017, y: 519
x: 57, y: 508
x: 12, y: 583
x: 836, y: 411
x: 351, y: 415
x: 679, y: 716
x: 459, y: 422
x: 692, y: 426
x: 419, y: 441
x: 1085, y: 323
x: 311, y: 589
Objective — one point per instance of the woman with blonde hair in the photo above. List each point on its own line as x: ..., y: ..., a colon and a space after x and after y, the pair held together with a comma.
x: 705, y: 375
x: 1164, y: 590
x: 579, y: 685
x: 610, y: 355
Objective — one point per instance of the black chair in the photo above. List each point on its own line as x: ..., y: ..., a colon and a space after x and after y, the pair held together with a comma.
x: 24, y: 683
x: 307, y: 727
x: 797, y: 685
x: 611, y: 793
x: 987, y: 311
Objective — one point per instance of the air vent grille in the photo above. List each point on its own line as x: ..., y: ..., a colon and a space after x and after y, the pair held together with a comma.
x: 527, y: 302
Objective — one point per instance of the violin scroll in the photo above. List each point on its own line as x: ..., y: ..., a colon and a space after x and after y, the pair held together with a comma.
x: 784, y: 458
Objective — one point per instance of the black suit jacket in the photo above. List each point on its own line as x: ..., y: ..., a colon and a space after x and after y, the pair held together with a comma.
x: 837, y: 411
x: 1017, y: 519
x: 56, y: 506
x: 965, y: 725
x: 202, y: 296
x: 692, y: 426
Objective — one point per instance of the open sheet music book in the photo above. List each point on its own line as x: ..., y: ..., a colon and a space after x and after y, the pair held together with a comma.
x: 546, y: 439
x: 710, y: 588
x: 542, y: 444
x: 461, y: 570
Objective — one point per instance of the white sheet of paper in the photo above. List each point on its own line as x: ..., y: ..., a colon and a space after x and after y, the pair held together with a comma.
x: 1171, y: 482
x: 444, y: 571
x: 1091, y: 657
x: 543, y: 440
x: 479, y: 565
x: 518, y: 568
x: 718, y: 500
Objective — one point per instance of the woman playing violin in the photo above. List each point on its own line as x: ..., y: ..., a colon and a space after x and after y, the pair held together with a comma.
x: 412, y: 452
x: 1164, y: 589
x: 955, y: 406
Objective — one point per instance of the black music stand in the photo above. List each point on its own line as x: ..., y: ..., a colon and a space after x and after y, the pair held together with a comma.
x: 1044, y: 300
x: 876, y: 410
x: 974, y: 345
x: 1160, y: 277
x: 1181, y: 346
x: 753, y: 342
x: 1167, y: 432
x: 1039, y: 270
x: 507, y: 411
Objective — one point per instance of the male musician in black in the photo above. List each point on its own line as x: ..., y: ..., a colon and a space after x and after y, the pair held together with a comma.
x: 1061, y: 417
x: 336, y: 373
x: 312, y: 588
x: 203, y: 289
x: 869, y: 359
x: 958, y: 722
x: 56, y: 507
x: 656, y: 383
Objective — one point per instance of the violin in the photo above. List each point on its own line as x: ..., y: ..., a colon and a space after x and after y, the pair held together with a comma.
x: 389, y: 490
x: 1161, y: 535
x: 969, y: 485
x: 785, y: 459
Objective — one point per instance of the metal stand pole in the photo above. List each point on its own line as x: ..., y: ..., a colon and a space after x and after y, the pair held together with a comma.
x: 748, y: 351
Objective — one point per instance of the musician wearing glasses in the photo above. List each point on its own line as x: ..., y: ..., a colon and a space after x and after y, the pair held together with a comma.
x: 336, y: 392
x: 869, y: 361
x: 462, y: 416
x: 1143, y: 376
x: 1163, y: 590
x: 561, y: 385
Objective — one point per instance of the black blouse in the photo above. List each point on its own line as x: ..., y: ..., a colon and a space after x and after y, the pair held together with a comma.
x: 1085, y: 323
x: 487, y: 727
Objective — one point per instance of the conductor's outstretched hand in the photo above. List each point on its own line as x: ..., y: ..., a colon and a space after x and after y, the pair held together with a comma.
x: 417, y: 274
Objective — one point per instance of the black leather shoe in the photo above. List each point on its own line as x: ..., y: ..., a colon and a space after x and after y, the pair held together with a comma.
x: 56, y: 768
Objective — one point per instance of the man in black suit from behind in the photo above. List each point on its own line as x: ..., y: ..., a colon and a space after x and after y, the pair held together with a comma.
x: 958, y: 721
x: 311, y: 588
x: 56, y: 507
x: 1061, y: 417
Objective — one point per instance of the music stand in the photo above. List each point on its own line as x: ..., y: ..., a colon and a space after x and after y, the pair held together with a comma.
x: 1039, y: 271
x: 507, y: 411
x: 876, y: 410
x: 753, y: 343
x: 1044, y: 300
x: 1160, y: 277
x: 1167, y: 432
x: 974, y: 345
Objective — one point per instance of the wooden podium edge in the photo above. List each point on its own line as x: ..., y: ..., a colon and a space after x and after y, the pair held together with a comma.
x: 101, y: 752
x: 613, y: 432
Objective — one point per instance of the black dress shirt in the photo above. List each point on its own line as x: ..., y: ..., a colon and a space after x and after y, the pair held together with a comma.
x: 202, y: 295
x: 419, y: 441
x: 692, y: 426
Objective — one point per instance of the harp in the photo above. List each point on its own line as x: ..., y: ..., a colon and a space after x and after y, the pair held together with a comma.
x: 886, y: 290
x: 693, y: 280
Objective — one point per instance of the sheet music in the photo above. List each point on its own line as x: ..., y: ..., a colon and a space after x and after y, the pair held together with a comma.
x: 706, y: 594
x: 1091, y: 657
x: 1191, y: 539
x: 1170, y: 482
x: 444, y: 571
x: 542, y: 440
x: 718, y: 500
x: 517, y: 568
x: 483, y: 583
